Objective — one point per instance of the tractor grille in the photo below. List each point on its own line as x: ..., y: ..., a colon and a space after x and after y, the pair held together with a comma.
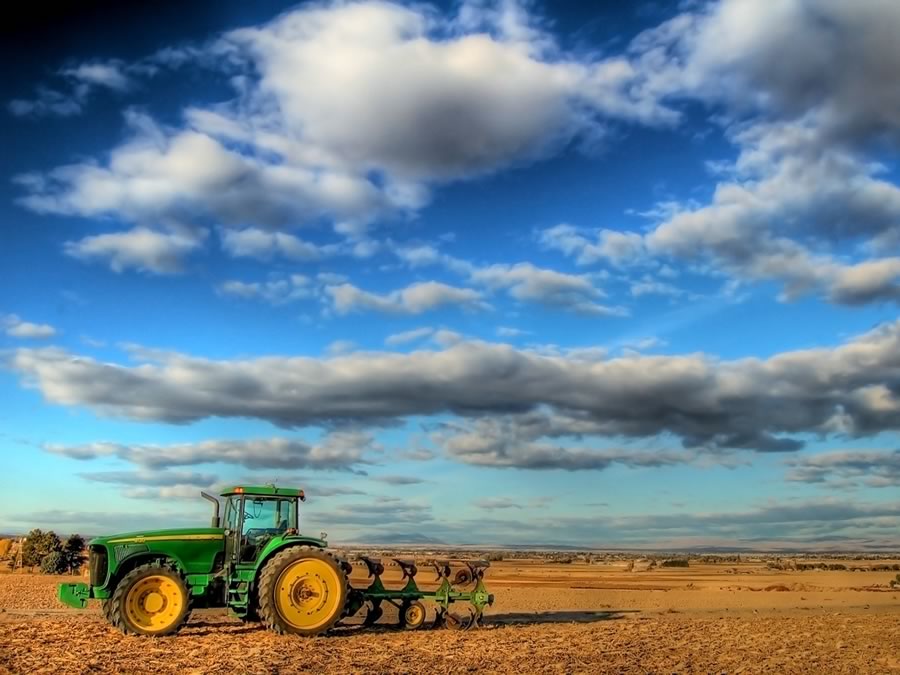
x: 97, y: 564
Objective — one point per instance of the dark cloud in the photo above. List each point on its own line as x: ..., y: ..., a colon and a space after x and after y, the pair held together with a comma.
x: 494, y: 503
x: 521, y: 442
x: 839, y: 60
x: 342, y: 451
x: 399, y: 480
x: 758, y: 404
x: 872, y: 468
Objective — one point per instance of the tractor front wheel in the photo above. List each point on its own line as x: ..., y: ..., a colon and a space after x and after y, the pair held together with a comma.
x: 302, y: 591
x: 150, y: 600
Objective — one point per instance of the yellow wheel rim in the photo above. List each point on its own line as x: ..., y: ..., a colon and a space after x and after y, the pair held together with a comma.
x: 308, y: 594
x: 154, y: 603
x: 415, y: 614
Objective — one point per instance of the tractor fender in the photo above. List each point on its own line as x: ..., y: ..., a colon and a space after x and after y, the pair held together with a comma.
x: 136, y: 559
x: 280, y: 543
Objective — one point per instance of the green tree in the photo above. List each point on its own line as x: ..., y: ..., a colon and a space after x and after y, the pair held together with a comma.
x: 73, y: 550
x: 54, y: 563
x: 38, y: 545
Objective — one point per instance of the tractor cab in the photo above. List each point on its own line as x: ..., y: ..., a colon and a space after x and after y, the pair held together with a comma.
x: 253, y: 516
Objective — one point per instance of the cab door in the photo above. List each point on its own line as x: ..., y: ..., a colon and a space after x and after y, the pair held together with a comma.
x: 234, y: 516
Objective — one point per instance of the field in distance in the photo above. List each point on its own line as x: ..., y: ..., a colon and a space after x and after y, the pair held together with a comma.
x: 617, y: 615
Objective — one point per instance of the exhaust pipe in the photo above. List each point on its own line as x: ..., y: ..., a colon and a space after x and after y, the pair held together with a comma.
x: 215, y: 518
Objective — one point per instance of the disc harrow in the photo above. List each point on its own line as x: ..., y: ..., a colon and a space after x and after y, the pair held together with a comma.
x: 460, y: 585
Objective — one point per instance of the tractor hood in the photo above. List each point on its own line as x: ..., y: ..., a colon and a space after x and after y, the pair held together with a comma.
x: 180, y: 534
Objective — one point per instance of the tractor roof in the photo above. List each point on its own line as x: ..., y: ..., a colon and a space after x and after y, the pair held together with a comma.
x: 263, y: 490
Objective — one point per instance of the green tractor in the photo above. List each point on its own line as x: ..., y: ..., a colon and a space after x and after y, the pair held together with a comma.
x: 255, y: 562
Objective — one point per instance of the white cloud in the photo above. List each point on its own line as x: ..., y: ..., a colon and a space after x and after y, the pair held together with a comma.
x: 788, y: 188
x: 48, y: 102
x: 408, y: 336
x: 423, y: 255
x: 178, y: 178
x: 788, y: 57
x: 511, y: 332
x: 525, y: 282
x: 647, y: 285
x: 139, y: 248
x: 522, y: 281
x: 815, y: 86
x: 610, y: 245
x: 334, y: 121
x: 262, y: 245
x: 276, y: 292
x: 16, y: 327
x: 330, y: 278
x: 416, y: 298
x: 339, y: 347
x: 645, y: 343
x: 807, y: 92
x: 447, y: 338
x: 109, y: 74
x: 422, y: 99
x: 79, y: 83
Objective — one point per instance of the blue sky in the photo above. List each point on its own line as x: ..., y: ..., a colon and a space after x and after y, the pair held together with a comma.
x: 496, y: 273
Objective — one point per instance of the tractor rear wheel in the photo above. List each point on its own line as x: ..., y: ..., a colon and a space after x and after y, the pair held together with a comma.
x: 151, y: 600
x: 302, y: 591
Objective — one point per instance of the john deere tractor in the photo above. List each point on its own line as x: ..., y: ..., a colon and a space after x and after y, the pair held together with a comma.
x: 254, y: 561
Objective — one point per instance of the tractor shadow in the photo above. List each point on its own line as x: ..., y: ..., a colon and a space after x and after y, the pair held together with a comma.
x: 233, y: 627
x: 519, y: 618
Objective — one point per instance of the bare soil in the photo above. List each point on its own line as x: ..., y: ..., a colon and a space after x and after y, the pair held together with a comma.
x: 546, y: 618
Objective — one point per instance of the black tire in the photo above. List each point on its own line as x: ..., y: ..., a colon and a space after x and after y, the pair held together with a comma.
x: 106, y: 609
x: 252, y: 616
x: 116, y: 610
x: 268, y: 588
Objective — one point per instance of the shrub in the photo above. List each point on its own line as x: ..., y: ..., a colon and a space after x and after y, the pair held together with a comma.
x: 38, y: 545
x: 54, y: 563
x: 73, y: 551
x: 680, y: 562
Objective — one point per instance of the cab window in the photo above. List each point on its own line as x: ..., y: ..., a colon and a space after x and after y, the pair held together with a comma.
x: 232, y: 513
x: 264, y: 518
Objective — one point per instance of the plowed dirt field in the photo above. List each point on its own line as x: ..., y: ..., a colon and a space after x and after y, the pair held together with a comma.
x: 546, y: 618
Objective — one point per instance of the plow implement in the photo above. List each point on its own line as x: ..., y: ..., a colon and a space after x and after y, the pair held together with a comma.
x: 459, y: 599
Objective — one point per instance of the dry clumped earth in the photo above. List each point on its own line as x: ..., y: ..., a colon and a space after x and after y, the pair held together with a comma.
x: 547, y: 618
